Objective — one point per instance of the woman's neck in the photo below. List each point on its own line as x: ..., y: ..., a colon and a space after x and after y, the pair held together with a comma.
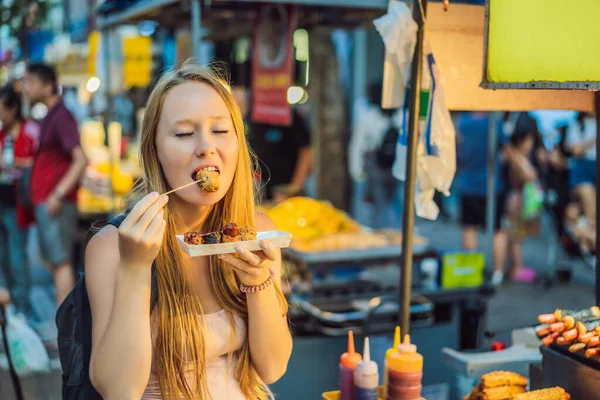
x: 192, y: 216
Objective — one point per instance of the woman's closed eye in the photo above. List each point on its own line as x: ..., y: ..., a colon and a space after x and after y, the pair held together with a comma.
x: 220, y: 131
x: 183, y: 134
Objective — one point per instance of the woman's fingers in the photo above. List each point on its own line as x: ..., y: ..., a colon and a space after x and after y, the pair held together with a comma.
x: 155, y: 226
x: 271, y: 252
x: 139, y: 209
x: 248, y: 256
x: 142, y: 225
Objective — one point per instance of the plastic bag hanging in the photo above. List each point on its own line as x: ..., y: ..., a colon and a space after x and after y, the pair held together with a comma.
x: 398, y: 30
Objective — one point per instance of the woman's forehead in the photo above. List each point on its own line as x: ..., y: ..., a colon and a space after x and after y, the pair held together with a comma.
x: 193, y: 102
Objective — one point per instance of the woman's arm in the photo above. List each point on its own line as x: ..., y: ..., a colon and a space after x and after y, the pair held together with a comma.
x: 269, y: 334
x: 120, y: 304
x: 118, y: 277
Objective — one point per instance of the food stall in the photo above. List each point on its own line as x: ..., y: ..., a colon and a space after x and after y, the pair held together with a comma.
x: 568, y: 358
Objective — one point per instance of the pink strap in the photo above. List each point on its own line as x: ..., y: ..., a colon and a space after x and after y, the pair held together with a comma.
x: 258, y: 288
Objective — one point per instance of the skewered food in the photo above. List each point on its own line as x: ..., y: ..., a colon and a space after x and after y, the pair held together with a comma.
x: 559, y: 315
x: 192, y: 238
x: 208, y: 179
x: 247, y: 233
x: 231, y: 233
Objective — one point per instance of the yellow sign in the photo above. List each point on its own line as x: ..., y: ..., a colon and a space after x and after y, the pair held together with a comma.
x: 137, y: 66
x: 94, y: 46
x: 543, y: 43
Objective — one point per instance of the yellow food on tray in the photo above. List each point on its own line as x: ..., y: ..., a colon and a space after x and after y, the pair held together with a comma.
x: 306, y: 218
x: 340, y: 241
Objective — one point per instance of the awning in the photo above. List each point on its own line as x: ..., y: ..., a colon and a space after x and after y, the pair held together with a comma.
x: 224, y: 19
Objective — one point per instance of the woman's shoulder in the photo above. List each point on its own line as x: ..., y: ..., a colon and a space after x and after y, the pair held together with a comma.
x: 264, y: 222
x: 106, y: 238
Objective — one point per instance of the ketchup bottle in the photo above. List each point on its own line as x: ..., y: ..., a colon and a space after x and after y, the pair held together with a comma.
x: 348, y: 362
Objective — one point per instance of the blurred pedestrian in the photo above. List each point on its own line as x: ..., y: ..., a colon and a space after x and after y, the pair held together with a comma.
x: 472, y: 175
x: 581, y: 142
x: 522, y: 174
x: 57, y: 169
x: 285, y: 155
x: 18, y: 141
x: 371, y: 156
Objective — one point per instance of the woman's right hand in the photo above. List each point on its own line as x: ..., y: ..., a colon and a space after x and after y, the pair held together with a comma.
x: 141, y: 232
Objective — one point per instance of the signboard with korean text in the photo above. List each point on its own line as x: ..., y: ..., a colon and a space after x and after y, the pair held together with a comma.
x: 273, y: 64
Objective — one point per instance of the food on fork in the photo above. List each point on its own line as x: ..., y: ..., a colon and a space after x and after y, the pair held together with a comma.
x: 208, y: 179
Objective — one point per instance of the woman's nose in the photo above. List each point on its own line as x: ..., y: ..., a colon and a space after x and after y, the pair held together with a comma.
x: 205, y: 145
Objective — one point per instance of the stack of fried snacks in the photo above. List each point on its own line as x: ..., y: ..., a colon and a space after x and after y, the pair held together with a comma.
x: 498, y: 385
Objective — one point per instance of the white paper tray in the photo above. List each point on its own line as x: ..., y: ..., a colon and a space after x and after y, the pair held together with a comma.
x: 277, y: 238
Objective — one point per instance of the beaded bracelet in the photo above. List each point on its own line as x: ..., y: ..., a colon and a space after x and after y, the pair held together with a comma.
x: 261, y: 287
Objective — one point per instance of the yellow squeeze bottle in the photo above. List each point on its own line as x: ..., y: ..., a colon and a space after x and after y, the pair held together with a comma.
x: 388, y: 355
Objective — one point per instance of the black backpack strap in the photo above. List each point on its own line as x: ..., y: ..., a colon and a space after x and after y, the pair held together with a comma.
x: 117, y: 221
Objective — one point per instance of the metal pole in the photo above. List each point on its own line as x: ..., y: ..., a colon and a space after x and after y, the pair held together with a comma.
x: 597, y: 106
x: 491, y: 178
x: 196, y: 31
x: 419, y: 7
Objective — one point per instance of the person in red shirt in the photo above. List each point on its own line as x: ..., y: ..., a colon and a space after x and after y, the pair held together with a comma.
x: 57, y: 169
x: 18, y: 142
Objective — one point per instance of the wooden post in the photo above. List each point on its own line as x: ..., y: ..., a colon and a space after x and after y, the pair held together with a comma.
x: 329, y: 132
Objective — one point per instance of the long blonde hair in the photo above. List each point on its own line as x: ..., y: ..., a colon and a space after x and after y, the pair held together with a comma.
x: 178, y: 313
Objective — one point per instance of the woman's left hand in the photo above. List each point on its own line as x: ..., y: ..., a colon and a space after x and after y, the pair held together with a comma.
x: 253, y: 268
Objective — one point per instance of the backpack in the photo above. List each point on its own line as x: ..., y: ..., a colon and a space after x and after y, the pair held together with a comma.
x: 74, y: 323
x: 386, y: 154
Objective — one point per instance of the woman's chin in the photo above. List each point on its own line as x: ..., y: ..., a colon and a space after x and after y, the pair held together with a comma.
x: 199, y: 197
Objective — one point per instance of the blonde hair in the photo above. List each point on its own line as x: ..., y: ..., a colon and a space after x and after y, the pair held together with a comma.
x: 178, y: 314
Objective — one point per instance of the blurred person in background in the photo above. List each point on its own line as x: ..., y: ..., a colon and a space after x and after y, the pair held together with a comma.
x: 18, y: 141
x: 472, y: 174
x: 520, y: 156
x: 581, y: 142
x: 285, y: 155
x: 57, y: 169
x: 370, y: 158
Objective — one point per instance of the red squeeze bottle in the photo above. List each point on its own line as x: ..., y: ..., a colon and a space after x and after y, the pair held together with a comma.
x: 405, y: 372
x: 348, y: 362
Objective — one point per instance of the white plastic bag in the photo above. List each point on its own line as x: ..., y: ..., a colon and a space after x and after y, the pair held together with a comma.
x: 398, y: 30
x: 27, y: 351
x: 436, y: 147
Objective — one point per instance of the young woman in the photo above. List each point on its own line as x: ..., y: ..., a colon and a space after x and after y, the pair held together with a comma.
x: 169, y: 326
x: 18, y: 143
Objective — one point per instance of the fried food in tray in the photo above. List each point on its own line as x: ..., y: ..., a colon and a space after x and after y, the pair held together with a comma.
x: 503, y: 378
x: 208, y: 180
x: 229, y: 233
x: 498, y: 385
x: 556, y: 393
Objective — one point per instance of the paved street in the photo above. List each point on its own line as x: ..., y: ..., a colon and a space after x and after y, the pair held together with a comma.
x: 515, y: 305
